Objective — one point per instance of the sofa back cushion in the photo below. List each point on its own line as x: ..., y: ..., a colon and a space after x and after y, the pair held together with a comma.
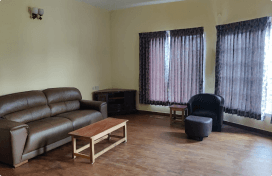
x: 62, y: 100
x: 24, y: 107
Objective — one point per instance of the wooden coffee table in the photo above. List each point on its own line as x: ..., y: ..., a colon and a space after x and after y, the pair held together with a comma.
x: 95, y: 133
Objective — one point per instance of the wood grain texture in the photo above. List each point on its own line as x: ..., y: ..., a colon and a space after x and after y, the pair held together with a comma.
x: 157, y: 148
x: 175, y: 108
x: 178, y: 107
x: 97, y: 128
x: 92, y: 156
x: 96, y: 133
x: 74, y: 149
x: 20, y: 164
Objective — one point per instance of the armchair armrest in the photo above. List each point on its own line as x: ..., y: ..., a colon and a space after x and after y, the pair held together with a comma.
x: 190, y: 107
x: 12, y: 139
x: 96, y: 105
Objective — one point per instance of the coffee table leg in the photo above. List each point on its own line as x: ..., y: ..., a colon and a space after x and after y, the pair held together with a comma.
x: 109, y: 136
x: 92, y: 159
x: 74, y: 147
x: 125, y: 132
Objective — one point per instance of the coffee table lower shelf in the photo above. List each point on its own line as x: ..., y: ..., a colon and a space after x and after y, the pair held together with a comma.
x: 95, y: 139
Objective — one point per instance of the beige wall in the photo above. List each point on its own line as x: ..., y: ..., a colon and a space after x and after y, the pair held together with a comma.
x: 83, y: 46
x: 127, y: 23
x: 69, y: 47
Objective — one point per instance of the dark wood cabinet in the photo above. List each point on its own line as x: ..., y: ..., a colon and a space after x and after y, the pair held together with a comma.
x: 119, y: 101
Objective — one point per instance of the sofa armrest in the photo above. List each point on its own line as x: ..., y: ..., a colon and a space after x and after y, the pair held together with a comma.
x: 12, y: 139
x: 96, y: 105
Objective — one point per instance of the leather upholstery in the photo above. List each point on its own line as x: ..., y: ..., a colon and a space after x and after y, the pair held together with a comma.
x: 81, y: 118
x: 96, y: 105
x: 62, y: 100
x: 45, y: 149
x: 24, y: 106
x: 47, y: 131
x: 30, y: 126
x: 208, y: 105
x: 12, y: 139
x: 205, y: 113
x: 55, y: 95
x: 198, y: 127
x: 61, y: 107
x: 29, y: 115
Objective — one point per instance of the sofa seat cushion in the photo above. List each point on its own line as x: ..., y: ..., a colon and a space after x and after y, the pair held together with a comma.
x: 205, y: 113
x: 47, y: 131
x: 82, y: 118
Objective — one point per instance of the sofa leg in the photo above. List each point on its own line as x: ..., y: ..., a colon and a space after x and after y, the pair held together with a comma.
x: 20, y: 164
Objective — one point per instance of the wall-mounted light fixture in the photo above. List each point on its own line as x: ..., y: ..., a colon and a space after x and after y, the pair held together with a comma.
x: 35, y: 12
x: 41, y: 12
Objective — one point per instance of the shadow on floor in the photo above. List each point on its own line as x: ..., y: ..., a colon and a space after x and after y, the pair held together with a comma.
x: 178, y: 137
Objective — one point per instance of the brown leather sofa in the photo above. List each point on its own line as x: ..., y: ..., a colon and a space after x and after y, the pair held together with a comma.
x: 35, y: 122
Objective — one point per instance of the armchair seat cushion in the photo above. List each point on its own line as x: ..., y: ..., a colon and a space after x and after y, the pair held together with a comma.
x: 205, y: 113
x: 47, y: 131
x: 81, y: 118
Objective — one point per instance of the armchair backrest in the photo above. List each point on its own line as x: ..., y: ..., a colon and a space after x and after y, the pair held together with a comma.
x: 208, y: 102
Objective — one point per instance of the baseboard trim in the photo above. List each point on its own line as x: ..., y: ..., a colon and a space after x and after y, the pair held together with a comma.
x: 251, y: 129
x: 255, y: 130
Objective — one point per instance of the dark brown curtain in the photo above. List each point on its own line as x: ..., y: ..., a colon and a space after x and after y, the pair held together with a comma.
x: 186, y: 64
x: 153, y: 86
x: 240, y: 54
x: 171, y: 66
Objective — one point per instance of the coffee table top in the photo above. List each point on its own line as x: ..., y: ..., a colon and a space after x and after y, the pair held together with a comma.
x: 97, y: 128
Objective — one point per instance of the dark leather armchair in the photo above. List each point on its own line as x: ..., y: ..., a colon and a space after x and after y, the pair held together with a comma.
x: 208, y: 105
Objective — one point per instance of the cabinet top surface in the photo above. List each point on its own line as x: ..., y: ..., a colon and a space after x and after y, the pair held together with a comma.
x: 113, y: 90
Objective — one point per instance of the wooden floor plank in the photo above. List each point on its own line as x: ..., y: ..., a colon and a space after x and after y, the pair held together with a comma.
x: 155, y: 147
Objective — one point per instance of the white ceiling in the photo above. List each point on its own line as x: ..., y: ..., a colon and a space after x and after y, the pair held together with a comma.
x: 122, y: 4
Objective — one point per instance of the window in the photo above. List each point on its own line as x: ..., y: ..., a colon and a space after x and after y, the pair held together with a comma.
x: 242, y: 61
x: 268, y: 73
x: 171, y: 66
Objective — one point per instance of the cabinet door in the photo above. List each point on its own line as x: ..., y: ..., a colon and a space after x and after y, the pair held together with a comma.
x: 102, y: 97
x: 130, y: 100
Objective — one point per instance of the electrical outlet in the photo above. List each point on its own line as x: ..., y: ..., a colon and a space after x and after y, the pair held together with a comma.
x: 96, y: 87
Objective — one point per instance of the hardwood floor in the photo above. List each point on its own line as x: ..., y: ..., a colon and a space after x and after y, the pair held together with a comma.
x: 156, y: 148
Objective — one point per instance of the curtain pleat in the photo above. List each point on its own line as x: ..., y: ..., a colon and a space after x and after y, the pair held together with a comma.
x: 164, y: 81
x: 152, y: 84
x: 239, y: 66
x: 186, y: 61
